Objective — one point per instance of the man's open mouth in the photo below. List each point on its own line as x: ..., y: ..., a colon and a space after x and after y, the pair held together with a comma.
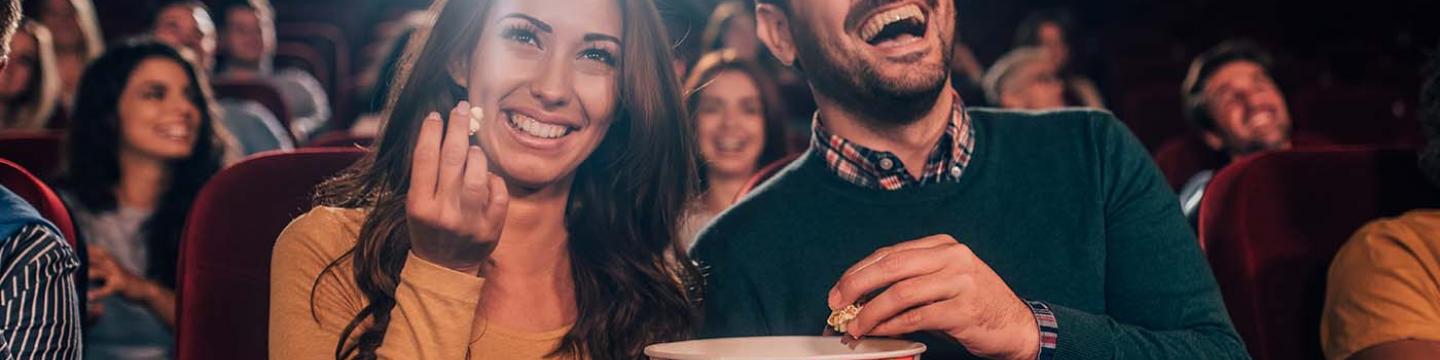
x: 896, y: 26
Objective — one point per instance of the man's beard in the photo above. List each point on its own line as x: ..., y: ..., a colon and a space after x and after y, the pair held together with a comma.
x: 859, y: 87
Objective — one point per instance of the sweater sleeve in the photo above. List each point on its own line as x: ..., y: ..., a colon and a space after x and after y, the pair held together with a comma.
x: 1162, y: 301
x: 732, y: 305
x: 435, y: 307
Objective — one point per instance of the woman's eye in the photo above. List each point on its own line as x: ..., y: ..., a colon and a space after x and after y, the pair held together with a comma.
x: 598, y: 55
x: 523, y: 36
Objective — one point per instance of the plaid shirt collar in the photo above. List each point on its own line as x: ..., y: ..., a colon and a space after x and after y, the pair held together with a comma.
x: 873, y: 169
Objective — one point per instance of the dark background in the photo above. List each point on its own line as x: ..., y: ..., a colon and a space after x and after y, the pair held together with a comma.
x: 1350, y: 69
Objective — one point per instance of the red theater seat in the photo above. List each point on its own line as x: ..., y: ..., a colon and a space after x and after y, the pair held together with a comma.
x: 1272, y: 224
x: 765, y: 173
x: 1184, y: 156
x: 341, y: 139
x: 36, y: 151
x: 224, y: 276
x: 39, y: 195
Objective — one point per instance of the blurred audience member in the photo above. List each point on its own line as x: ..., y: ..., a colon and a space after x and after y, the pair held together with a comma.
x: 30, y: 84
x: 1383, y: 297
x: 186, y: 25
x: 732, y: 26
x: 1232, y: 99
x: 76, y: 31
x: 739, y: 125
x: 685, y: 21
x: 1024, y: 79
x: 1051, y: 30
x: 384, y: 63
x: 248, y: 48
x: 143, y: 143
x: 39, y: 306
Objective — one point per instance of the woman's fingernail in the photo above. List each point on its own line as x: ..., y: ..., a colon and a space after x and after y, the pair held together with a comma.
x: 833, y: 299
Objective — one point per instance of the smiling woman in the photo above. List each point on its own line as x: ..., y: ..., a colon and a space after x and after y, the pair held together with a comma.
x: 517, y: 241
x: 142, y: 143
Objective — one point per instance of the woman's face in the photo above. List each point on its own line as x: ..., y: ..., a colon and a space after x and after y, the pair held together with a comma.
x: 1052, y: 39
x: 24, y: 62
x: 546, y: 74
x: 730, y: 125
x: 158, y: 116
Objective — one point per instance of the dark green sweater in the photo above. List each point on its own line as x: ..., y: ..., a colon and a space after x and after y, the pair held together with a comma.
x: 1066, y: 206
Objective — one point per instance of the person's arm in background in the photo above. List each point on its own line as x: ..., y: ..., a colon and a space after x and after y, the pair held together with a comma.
x: 39, y: 306
x: 115, y: 280
x: 1382, y: 300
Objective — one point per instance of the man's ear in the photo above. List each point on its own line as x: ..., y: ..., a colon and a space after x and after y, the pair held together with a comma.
x: 773, y: 27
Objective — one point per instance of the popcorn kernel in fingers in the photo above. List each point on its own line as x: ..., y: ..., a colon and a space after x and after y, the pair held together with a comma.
x: 840, y: 319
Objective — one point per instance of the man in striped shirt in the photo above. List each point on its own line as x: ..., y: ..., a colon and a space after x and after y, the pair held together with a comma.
x: 39, y: 307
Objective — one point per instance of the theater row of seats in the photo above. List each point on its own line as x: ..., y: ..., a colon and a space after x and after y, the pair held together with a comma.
x: 1270, y: 226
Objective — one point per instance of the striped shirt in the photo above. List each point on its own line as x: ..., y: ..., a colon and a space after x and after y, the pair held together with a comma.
x: 39, y: 306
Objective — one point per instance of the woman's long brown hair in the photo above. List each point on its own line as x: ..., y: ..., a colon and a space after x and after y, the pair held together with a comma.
x: 633, y: 284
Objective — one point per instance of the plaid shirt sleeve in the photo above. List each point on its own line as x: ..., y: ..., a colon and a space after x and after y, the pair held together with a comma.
x: 1049, y: 329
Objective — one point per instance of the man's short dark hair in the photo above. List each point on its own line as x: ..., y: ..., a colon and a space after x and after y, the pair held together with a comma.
x: 1430, y: 120
x: 261, y: 7
x: 1205, y: 65
x: 9, y: 22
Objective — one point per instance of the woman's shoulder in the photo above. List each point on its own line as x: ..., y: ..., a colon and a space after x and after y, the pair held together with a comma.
x: 325, y: 231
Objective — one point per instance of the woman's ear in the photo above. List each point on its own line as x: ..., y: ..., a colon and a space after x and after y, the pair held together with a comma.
x: 459, y: 71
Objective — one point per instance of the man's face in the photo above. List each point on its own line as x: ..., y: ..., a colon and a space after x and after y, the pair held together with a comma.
x: 249, y: 35
x: 886, y: 59
x: 189, y: 29
x: 1249, y: 111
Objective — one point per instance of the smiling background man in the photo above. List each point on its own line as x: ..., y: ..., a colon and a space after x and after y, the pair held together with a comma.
x: 1045, y: 235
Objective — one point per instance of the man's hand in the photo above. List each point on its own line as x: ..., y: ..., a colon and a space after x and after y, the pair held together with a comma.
x: 937, y: 284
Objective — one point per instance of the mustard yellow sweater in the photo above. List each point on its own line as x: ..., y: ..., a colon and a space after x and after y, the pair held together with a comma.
x: 434, y: 317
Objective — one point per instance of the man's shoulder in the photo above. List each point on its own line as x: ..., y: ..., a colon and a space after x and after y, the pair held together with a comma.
x: 770, y: 207
x: 1067, y: 118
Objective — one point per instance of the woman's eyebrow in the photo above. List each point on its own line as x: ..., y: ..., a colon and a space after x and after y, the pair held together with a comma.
x: 593, y: 37
x: 539, y: 24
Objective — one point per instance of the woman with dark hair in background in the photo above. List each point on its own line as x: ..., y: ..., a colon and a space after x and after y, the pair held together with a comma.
x: 144, y: 141
x: 1051, y: 30
x: 30, y: 85
x: 76, y: 32
x: 739, y: 126
x: 548, y: 232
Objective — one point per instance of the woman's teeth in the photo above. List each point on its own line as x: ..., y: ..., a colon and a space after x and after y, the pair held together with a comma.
x: 730, y: 144
x: 173, y: 132
x: 535, y: 128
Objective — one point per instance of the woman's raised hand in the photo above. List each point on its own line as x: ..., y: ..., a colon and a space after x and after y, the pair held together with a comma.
x: 455, y: 207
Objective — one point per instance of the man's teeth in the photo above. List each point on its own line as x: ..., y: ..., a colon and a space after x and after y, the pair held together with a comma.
x: 878, y: 22
x: 536, y: 128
